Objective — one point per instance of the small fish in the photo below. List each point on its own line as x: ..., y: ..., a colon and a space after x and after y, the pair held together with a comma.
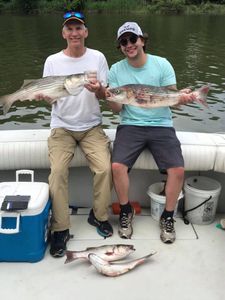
x: 115, y: 269
x: 53, y: 87
x: 150, y: 97
x: 106, y: 252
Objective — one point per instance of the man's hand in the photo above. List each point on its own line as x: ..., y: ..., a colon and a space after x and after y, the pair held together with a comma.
x: 187, y: 96
x: 97, y: 88
x: 93, y: 86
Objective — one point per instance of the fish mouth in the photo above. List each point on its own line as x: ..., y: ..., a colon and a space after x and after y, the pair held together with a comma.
x: 108, y: 94
x: 132, y: 247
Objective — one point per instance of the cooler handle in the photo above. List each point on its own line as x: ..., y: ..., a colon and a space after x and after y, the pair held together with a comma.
x: 9, y: 230
x: 29, y: 172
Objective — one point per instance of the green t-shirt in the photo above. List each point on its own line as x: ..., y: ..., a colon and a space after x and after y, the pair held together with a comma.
x: 158, y: 72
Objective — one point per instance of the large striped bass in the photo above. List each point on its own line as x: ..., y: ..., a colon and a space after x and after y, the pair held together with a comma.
x: 53, y: 87
x: 106, y: 252
x: 150, y: 97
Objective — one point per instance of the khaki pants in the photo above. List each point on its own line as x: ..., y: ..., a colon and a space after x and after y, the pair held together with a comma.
x: 95, y: 145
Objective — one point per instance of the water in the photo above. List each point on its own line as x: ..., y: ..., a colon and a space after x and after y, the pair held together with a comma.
x: 193, y: 44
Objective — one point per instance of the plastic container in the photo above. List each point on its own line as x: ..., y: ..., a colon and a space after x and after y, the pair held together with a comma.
x: 24, y: 233
x: 201, y: 199
x: 158, y: 201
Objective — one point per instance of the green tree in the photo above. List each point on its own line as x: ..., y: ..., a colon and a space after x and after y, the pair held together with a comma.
x: 27, y: 6
x: 76, y: 5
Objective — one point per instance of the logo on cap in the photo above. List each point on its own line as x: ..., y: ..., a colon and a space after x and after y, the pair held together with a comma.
x: 129, y: 27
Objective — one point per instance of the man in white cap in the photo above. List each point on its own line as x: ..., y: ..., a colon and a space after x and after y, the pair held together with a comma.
x: 142, y: 128
x: 77, y: 120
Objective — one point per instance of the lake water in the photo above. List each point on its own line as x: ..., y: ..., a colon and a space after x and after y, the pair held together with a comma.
x: 193, y: 44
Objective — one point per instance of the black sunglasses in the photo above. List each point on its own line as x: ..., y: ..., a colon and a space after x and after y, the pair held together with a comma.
x: 76, y: 14
x: 131, y: 38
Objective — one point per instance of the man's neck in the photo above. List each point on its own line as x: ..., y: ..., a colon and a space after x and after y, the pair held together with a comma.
x: 138, y: 61
x: 74, y: 52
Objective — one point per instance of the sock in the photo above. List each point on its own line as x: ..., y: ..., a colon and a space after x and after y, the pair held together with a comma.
x: 125, y: 208
x: 167, y: 214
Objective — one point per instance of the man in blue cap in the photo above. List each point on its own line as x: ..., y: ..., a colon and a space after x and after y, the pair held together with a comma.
x: 77, y: 120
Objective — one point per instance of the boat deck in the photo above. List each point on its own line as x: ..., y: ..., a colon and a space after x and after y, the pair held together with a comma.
x: 191, y: 268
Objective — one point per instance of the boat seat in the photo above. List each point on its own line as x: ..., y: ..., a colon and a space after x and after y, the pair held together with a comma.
x: 27, y: 149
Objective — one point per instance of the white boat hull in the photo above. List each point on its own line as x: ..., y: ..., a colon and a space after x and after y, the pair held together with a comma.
x: 204, y: 154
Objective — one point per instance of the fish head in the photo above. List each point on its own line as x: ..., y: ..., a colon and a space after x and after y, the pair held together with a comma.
x: 119, y: 95
x: 74, y: 84
x: 123, y: 248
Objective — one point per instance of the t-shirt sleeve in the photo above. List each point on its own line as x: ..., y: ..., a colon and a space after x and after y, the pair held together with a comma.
x: 47, y: 71
x: 103, y: 70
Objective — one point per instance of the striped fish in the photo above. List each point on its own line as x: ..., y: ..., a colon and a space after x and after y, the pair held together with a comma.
x: 53, y: 87
x: 115, y: 269
x: 150, y: 97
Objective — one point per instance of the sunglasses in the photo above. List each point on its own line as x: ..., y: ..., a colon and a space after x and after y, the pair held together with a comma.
x: 131, y: 38
x: 70, y: 14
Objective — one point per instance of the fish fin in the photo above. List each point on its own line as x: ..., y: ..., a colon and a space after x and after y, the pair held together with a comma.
x: 93, y: 248
x: 26, y: 82
x: 5, y: 103
x: 203, y: 92
x: 70, y: 256
x: 75, y: 91
x: 98, y: 259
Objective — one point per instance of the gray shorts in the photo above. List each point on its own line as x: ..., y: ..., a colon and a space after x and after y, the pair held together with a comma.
x: 162, y: 142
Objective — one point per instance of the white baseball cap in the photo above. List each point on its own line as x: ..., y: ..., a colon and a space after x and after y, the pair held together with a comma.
x: 132, y: 27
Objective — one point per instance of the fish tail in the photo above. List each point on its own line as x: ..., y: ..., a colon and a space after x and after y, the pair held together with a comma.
x: 5, y: 103
x: 202, y: 94
x: 143, y: 259
x: 70, y: 256
x: 140, y: 261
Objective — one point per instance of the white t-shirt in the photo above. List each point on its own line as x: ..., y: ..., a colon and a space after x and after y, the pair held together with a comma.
x: 80, y: 112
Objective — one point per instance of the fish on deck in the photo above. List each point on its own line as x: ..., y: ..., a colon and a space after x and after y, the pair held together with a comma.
x: 115, y: 269
x: 147, y: 96
x: 106, y: 252
x: 53, y: 87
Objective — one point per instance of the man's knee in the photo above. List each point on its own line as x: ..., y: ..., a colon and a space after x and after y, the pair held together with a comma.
x: 58, y: 173
x: 176, y: 172
x: 118, y: 168
x: 104, y: 169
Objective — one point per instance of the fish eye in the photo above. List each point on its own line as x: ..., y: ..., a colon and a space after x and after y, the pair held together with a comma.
x: 117, y: 91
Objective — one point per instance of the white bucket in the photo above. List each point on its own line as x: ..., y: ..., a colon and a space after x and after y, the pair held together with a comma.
x: 202, y: 192
x: 158, y: 201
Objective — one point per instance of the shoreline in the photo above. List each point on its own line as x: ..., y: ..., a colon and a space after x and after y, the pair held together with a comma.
x: 45, y: 8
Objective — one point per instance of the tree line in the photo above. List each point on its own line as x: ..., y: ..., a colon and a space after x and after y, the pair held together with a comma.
x: 42, y: 6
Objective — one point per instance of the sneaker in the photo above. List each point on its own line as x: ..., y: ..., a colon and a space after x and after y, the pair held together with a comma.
x: 58, y: 243
x: 104, y: 228
x: 168, y: 234
x: 125, y: 230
